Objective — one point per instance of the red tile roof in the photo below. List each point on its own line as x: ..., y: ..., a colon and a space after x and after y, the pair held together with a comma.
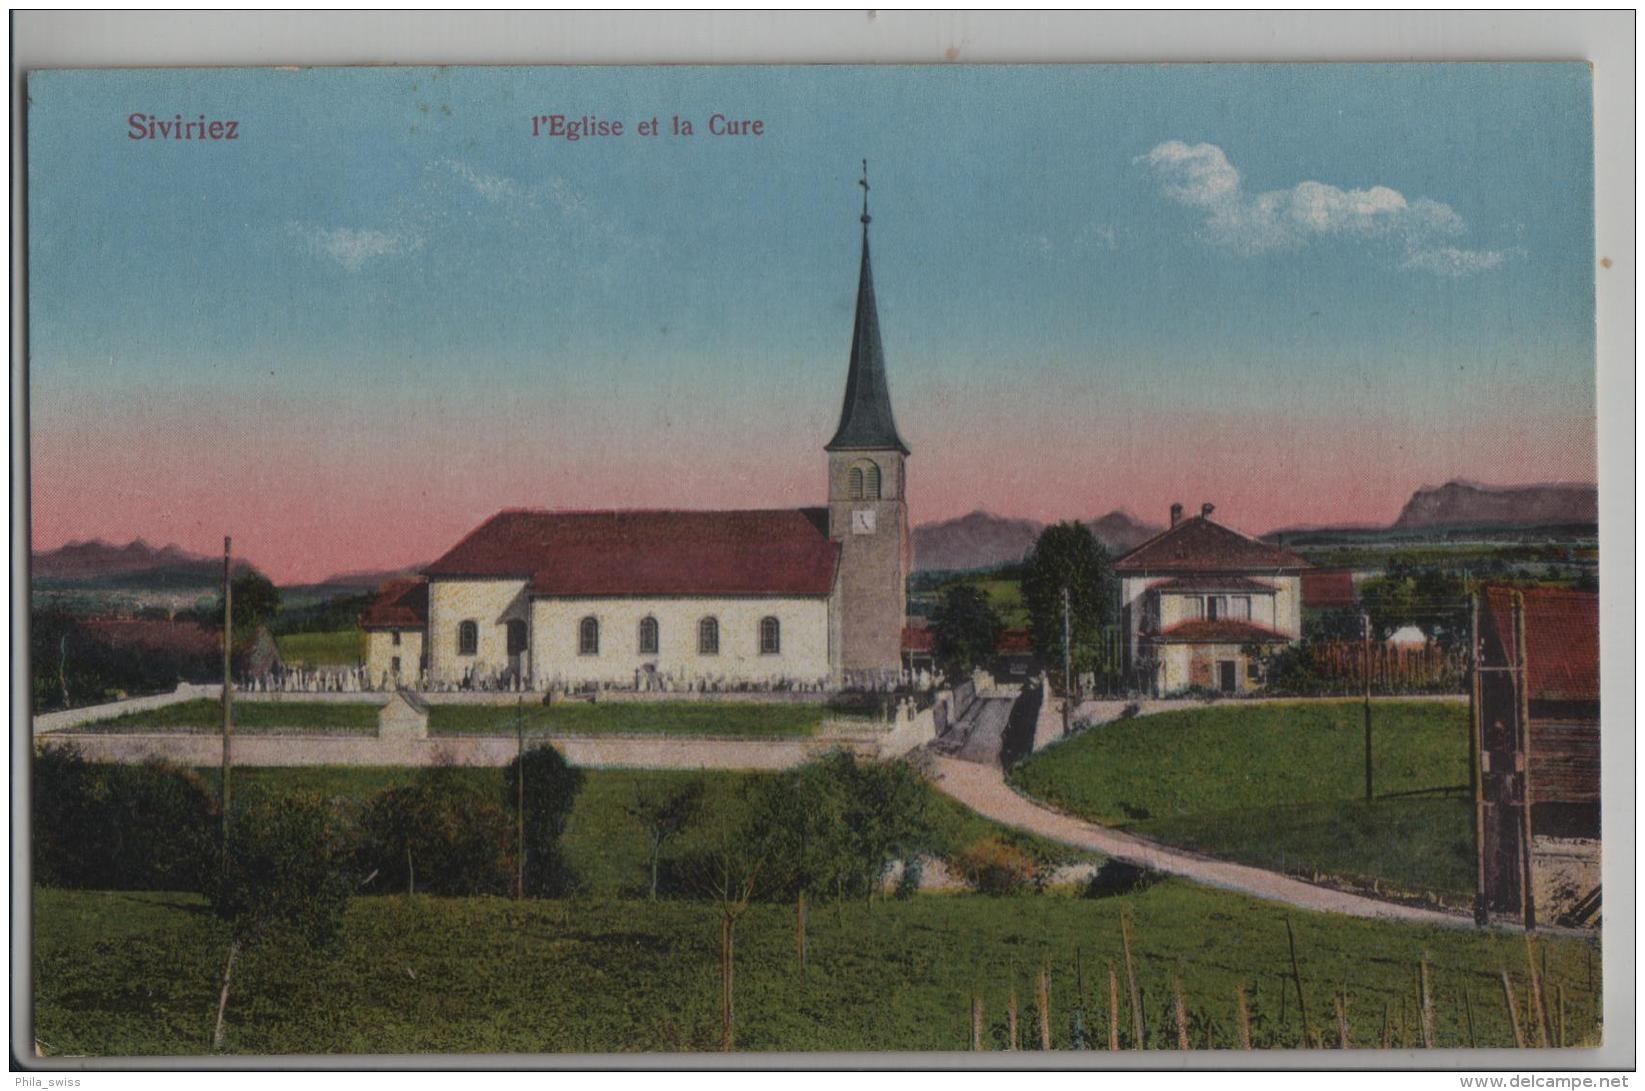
x: 1199, y: 545
x: 1014, y: 640
x: 1214, y: 583
x: 783, y: 552
x: 1221, y: 631
x: 1325, y: 588
x: 1561, y: 640
x: 401, y: 604
x: 917, y: 638
x: 920, y: 639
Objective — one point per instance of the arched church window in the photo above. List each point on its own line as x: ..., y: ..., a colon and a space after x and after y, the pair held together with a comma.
x: 468, y: 638
x: 856, y: 483
x: 771, y: 636
x: 708, y: 636
x: 588, y: 636
x: 648, y: 636
x: 516, y: 636
x: 871, y: 481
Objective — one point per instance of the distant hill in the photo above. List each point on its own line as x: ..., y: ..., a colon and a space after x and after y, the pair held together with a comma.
x: 1122, y: 532
x: 1465, y: 503
x: 137, y: 563
x: 1463, y: 510
x: 369, y: 579
x: 978, y: 540
x: 985, y: 540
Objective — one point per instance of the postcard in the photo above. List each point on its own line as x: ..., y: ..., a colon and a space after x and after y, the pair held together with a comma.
x: 561, y: 561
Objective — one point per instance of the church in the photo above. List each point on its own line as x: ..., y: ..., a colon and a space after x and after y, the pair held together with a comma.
x: 678, y: 599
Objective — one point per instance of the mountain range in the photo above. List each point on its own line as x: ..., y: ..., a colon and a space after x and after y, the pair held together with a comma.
x: 978, y: 540
x: 984, y: 540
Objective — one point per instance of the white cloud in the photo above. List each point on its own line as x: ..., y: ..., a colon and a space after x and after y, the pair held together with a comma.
x: 353, y: 247
x: 1200, y: 176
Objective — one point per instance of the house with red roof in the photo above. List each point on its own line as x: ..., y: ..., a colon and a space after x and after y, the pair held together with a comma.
x: 1203, y: 605
x: 813, y: 596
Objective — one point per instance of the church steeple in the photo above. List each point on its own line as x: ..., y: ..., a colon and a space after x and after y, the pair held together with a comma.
x: 866, y: 421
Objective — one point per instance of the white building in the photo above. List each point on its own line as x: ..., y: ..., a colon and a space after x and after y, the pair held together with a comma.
x: 676, y: 599
x: 1198, y: 599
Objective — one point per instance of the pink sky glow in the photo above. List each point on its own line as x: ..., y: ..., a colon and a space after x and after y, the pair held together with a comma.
x: 312, y: 499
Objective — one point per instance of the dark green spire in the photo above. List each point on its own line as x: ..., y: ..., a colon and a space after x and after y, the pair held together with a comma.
x: 866, y: 421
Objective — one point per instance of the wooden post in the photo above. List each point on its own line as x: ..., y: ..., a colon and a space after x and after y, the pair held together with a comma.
x: 1042, y: 1001
x: 1296, y: 976
x: 1468, y: 1007
x: 1342, y: 1021
x: 1244, y: 1017
x: 1476, y: 762
x: 1513, y: 1010
x: 1113, y: 1010
x: 1425, y: 1004
x: 976, y: 1023
x: 1523, y: 715
x: 1181, y: 1012
x: 1067, y: 663
x: 228, y: 692
x: 519, y: 799
x: 222, y: 997
x: 1011, y: 1019
x: 1539, y: 1006
x: 799, y: 934
x: 1138, y: 1029
x: 1365, y: 623
x: 1559, y: 993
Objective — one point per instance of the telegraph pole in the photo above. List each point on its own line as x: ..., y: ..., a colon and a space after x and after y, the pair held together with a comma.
x: 1067, y: 663
x: 228, y: 686
x: 1365, y: 625
x: 519, y: 798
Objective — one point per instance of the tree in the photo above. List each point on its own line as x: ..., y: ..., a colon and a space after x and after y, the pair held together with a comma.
x: 256, y: 599
x: 834, y: 825
x: 550, y: 788
x: 1068, y: 556
x: 441, y: 834
x: 286, y: 877
x: 729, y: 874
x: 662, y: 814
x: 965, y: 630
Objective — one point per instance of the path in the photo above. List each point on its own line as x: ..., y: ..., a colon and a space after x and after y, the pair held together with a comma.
x: 982, y: 787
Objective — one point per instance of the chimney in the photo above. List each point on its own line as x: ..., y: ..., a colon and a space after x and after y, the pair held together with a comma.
x: 1176, y: 514
x: 1205, y: 510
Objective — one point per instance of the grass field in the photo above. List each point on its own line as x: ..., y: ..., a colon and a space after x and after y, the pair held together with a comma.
x: 603, y: 845
x: 124, y: 973
x: 1282, y: 786
x: 207, y: 715
x: 345, y: 647
x: 632, y: 718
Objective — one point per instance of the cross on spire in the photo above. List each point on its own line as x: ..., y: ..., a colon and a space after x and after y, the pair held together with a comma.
x: 863, y: 182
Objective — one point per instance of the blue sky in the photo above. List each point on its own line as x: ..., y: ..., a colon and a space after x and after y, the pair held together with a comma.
x: 387, y: 262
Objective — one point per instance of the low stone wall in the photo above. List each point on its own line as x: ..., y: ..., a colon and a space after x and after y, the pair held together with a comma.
x: 1048, y: 724
x: 589, y: 751
x: 48, y: 722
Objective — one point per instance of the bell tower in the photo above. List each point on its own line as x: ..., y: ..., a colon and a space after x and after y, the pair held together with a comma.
x: 867, y: 501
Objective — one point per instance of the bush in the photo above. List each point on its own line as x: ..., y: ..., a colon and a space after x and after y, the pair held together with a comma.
x: 834, y: 825
x: 121, y: 827
x: 439, y: 835
x: 288, y: 872
x: 996, y: 865
x: 550, y: 789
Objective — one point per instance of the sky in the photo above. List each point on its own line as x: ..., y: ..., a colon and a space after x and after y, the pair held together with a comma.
x: 387, y: 310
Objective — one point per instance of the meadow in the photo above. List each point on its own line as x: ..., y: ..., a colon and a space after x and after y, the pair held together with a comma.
x: 206, y: 715
x: 343, y: 647
x: 137, y: 973
x: 1281, y: 785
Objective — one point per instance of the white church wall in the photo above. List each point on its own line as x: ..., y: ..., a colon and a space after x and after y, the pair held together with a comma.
x: 556, y: 660
x: 490, y: 604
x: 381, y: 652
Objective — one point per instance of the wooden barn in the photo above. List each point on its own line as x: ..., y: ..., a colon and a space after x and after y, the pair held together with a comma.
x: 1536, y: 732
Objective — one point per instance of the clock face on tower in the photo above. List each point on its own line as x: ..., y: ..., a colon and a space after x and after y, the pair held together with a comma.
x: 862, y: 521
